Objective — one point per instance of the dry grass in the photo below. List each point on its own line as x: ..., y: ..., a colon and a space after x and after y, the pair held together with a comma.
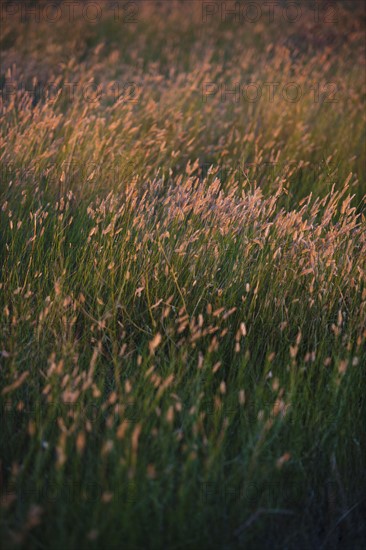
x: 183, y: 298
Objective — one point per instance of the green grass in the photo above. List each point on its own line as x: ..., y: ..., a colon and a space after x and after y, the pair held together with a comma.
x: 182, y: 350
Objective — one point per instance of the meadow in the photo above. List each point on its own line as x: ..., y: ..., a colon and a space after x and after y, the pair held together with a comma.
x: 182, y: 276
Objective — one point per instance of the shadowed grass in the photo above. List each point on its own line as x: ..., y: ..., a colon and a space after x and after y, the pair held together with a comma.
x: 182, y: 285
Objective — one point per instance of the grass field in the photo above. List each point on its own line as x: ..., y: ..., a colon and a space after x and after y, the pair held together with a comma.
x: 182, y: 277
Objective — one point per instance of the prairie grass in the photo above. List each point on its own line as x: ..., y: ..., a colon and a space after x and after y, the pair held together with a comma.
x: 182, y: 284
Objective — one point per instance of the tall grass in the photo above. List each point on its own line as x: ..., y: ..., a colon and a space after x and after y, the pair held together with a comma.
x: 182, y: 285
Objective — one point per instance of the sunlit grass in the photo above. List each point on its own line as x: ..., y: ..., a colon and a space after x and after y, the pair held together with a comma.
x: 182, y: 288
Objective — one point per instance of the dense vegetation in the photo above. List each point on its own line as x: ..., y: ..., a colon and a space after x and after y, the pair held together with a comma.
x: 182, y: 284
